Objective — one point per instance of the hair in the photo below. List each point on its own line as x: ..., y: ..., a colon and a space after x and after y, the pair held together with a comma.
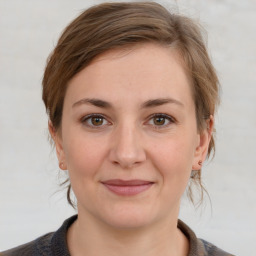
x: 116, y: 25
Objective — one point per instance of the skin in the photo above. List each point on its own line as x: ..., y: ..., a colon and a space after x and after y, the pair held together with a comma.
x: 126, y: 143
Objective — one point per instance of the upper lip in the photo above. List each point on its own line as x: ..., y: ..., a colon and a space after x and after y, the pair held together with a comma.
x: 118, y: 182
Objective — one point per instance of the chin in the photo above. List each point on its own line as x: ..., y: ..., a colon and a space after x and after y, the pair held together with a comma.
x: 129, y: 221
x: 130, y: 216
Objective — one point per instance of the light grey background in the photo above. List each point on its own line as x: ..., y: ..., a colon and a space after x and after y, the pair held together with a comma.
x: 29, y: 206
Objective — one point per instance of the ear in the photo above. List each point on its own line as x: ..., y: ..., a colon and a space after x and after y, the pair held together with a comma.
x: 58, y: 145
x: 203, y: 144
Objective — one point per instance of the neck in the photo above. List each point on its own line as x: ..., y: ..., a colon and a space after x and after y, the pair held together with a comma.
x: 85, y: 237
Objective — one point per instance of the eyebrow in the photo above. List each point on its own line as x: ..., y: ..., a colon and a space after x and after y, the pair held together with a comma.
x: 159, y: 102
x: 147, y: 104
x: 95, y: 102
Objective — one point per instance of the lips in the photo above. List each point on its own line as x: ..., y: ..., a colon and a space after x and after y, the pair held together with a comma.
x: 127, y: 187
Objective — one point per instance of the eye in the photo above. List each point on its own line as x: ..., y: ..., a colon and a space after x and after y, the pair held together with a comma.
x: 94, y: 120
x: 161, y: 120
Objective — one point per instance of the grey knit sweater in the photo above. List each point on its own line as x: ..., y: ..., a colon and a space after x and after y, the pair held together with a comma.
x: 55, y: 244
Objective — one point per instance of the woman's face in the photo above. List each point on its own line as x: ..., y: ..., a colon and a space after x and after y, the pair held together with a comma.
x: 129, y: 136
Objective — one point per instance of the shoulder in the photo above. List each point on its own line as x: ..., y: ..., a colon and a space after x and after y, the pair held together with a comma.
x: 51, y: 244
x: 212, y: 250
x: 200, y: 247
x: 39, y: 246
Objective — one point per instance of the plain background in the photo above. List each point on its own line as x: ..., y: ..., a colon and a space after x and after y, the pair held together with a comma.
x: 31, y: 202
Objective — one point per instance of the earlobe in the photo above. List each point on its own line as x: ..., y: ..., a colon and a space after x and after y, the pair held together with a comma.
x: 203, y: 145
x: 58, y: 145
x: 62, y: 166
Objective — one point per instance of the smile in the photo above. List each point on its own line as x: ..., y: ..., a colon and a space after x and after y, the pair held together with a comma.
x: 128, y: 187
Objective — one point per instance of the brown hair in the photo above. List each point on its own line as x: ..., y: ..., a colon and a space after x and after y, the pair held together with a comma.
x: 115, y: 25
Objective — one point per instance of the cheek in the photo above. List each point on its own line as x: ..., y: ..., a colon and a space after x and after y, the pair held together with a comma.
x: 175, y: 154
x: 83, y: 156
x: 84, y: 159
x: 174, y: 159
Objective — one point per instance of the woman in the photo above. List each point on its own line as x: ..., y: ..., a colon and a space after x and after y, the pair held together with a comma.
x: 131, y: 94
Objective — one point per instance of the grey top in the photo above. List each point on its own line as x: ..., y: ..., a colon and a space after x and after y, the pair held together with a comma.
x: 55, y: 244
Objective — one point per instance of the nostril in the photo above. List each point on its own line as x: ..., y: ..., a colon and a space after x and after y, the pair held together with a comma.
x: 126, y: 151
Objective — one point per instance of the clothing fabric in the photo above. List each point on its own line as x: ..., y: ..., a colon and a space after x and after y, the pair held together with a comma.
x: 55, y: 244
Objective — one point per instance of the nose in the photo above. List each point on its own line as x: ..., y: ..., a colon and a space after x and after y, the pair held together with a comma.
x: 127, y: 148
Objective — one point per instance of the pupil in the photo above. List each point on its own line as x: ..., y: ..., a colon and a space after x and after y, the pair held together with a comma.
x: 159, y: 120
x: 97, y: 120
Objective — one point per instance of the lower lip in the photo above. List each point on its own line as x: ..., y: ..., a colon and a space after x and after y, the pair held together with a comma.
x: 128, y: 190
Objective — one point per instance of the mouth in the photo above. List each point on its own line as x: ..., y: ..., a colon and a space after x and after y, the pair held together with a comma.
x: 127, y: 187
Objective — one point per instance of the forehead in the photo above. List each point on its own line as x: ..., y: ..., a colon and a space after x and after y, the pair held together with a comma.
x: 141, y: 71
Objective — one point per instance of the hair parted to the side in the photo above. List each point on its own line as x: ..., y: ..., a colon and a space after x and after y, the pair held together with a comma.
x: 116, y: 25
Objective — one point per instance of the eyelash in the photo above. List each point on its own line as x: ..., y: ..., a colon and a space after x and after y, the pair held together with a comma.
x: 170, y: 119
x: 85, y: 119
